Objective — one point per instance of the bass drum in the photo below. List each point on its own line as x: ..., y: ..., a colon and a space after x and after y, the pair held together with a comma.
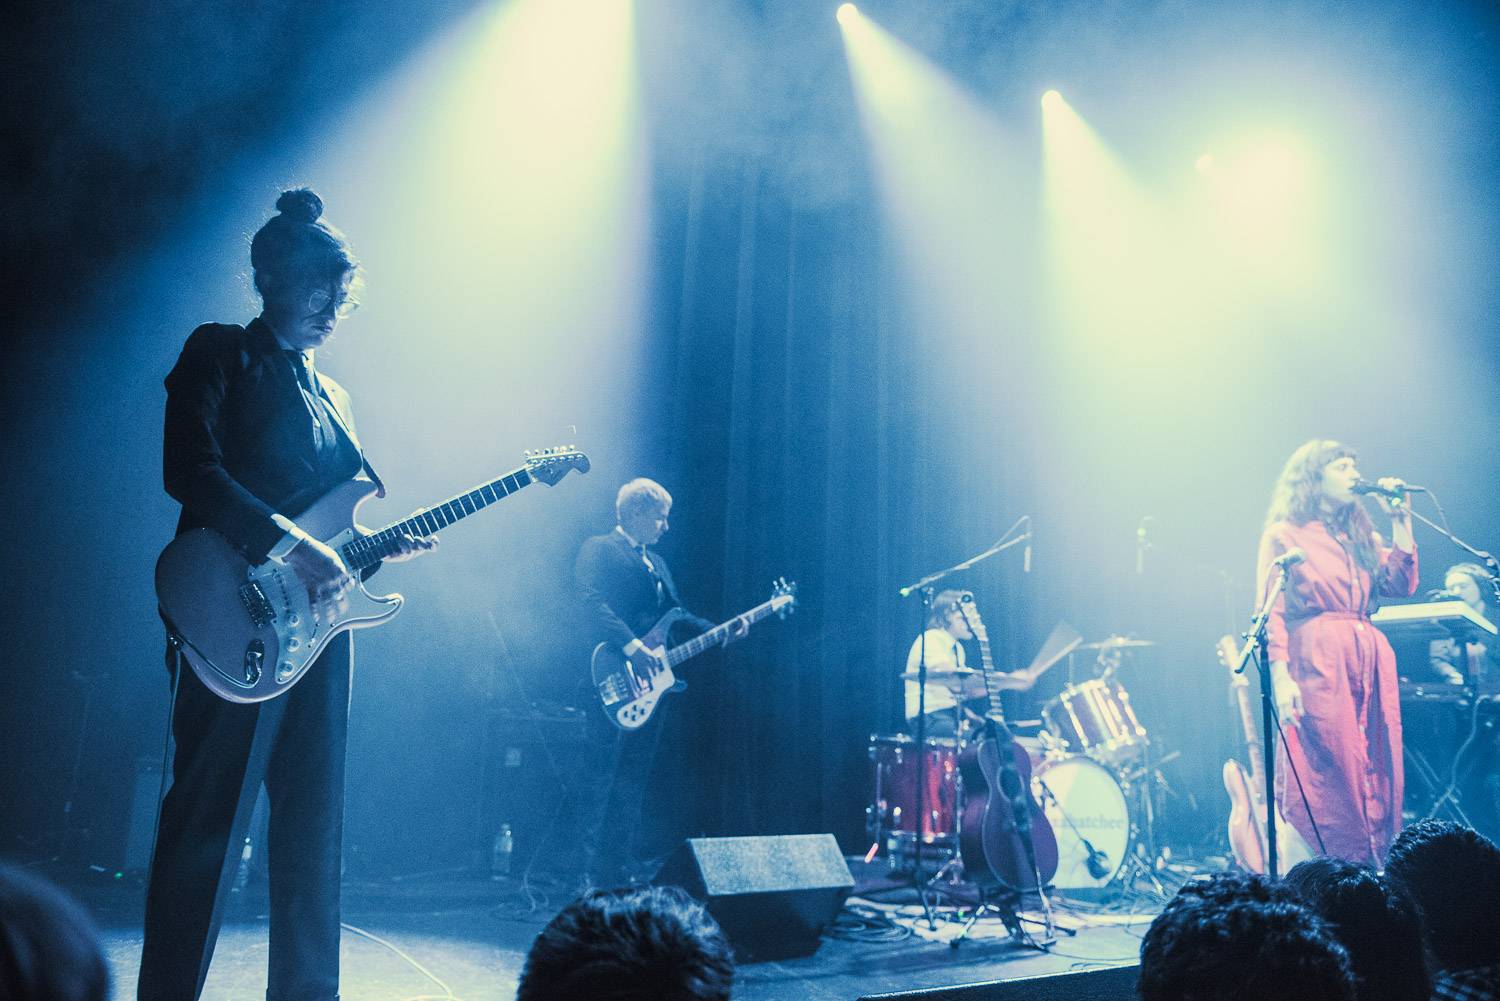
x: 1083, y: 801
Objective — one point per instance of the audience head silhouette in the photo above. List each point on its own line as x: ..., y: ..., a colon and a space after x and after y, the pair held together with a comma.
x: 655, y: 943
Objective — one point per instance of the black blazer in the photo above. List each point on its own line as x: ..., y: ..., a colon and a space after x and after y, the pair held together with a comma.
x: 619, y: 594
x: 238, y: 443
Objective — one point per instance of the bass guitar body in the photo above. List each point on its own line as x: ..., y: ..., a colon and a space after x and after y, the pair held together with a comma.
x: 630, y: 687
x: 1004, y: 837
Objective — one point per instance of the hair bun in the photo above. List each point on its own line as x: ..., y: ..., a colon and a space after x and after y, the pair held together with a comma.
x: 300, y: 205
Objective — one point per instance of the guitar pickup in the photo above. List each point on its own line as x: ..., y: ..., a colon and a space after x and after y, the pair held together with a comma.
x: 611, y: 691
x: 256, y: 604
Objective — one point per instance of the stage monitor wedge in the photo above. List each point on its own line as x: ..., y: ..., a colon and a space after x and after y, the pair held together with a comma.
x: 773, y: 896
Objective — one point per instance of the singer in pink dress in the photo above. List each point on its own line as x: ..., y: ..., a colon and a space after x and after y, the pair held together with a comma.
x: 1333, y: 673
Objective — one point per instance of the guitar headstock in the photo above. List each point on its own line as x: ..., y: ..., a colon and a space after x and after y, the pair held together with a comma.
x: 548, y: 465
x: 783, y: 596
x: 1229, y: 654
x: 970, y: 612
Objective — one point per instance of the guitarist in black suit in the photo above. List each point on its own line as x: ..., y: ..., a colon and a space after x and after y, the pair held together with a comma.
x: 625, y: 587
x: 253, y: 435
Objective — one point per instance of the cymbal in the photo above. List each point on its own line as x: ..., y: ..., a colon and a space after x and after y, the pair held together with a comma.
x: 1116, y: 643
x: 937, y: 675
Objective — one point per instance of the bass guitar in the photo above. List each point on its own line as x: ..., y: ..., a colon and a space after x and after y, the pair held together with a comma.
x: 629, y: 687
x: 251, y: 632
x: 1004, y: 837
x: 1247, y: 793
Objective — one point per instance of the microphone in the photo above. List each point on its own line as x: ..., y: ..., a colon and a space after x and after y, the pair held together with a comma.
x: 1290, y: 558
x: 1366, y: 487
x: 1098, y: 862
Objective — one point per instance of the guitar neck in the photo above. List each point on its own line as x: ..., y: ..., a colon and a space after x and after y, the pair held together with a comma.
x: 1253, y: 749
x: 369, y: 550
x: 716, y: 635
x: 987, y: 662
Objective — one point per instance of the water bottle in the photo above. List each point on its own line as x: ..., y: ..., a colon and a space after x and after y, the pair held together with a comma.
x: 500, y: 853
x: 242, y: 874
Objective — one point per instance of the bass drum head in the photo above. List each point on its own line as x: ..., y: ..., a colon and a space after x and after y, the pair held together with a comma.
x: 1083, y: 801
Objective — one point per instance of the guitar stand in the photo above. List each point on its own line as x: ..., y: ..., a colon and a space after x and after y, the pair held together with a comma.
x: 1005, y: 905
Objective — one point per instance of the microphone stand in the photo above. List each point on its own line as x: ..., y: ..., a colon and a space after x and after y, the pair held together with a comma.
x: 924, y: 586
x: 1257, y: 643
x: 1487, y: 559
x: 1005, y: 543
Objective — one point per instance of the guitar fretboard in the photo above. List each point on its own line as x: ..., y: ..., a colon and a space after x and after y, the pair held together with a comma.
x: 715, y: 636
x: 369, y: 550
x: 996, y: 713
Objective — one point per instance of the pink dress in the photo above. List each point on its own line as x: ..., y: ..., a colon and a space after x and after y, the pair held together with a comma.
x: 1347, y: 750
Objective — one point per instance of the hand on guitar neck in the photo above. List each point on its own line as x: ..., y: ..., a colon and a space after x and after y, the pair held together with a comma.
x: 739, y: 628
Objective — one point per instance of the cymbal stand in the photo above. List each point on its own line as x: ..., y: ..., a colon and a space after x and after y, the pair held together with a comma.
x: 1137, y: 866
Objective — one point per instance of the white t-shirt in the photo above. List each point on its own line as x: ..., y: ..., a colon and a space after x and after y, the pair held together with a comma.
x: 944, y: 652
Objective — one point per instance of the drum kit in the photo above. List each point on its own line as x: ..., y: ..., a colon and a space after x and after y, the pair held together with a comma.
x: 1092, y: 773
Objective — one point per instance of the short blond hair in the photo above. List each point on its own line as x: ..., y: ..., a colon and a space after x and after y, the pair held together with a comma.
x: 638, y: 494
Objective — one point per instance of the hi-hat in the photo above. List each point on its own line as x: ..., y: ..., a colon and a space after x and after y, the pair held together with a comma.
x: 1116, y: 643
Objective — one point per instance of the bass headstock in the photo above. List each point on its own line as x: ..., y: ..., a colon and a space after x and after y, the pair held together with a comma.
x: 548, y: 465
x: 783, y: 596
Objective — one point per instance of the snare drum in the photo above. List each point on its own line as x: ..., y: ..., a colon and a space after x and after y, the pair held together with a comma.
x: 1095, y: 718
x: 896, y: 769
x: 1083, y: 801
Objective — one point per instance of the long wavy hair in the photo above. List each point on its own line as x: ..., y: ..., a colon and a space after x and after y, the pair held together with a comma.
x: 1298, y: 498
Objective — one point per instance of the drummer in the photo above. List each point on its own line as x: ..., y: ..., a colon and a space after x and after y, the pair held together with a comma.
x: 950, y: 681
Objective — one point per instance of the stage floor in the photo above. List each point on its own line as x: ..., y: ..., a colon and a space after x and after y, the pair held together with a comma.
x: 471, y: 935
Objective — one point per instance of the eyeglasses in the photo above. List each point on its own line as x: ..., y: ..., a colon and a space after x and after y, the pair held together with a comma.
x: 319, y: 298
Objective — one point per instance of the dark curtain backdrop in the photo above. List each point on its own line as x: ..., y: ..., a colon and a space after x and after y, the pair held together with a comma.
x: 809, y: 432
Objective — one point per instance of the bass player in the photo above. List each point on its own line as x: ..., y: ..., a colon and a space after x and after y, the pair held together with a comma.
x: 625, y: 587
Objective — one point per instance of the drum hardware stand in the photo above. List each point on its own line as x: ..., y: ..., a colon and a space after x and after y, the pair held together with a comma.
x: 924, y: 587
x: 1445, y: 797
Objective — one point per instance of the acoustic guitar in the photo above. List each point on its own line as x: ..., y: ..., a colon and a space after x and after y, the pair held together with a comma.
x: 1004, y: 837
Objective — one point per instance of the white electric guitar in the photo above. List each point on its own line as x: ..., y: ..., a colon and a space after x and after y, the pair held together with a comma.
x: 250, y: 632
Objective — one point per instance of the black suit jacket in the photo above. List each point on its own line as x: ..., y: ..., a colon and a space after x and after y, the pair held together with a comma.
x: 619, y: 594
x: 239, y: 442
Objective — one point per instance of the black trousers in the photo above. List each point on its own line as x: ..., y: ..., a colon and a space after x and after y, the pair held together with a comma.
x: 618, y: 772
x: 295, y: 745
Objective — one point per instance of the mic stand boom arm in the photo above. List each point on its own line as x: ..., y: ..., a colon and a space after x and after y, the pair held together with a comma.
x: 1487, y: 559
x: 1005, y: 543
